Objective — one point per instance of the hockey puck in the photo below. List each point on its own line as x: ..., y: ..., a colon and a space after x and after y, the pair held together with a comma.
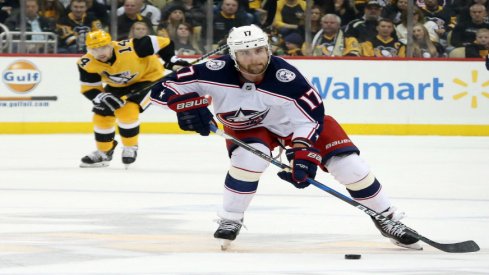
x: 353, y: 256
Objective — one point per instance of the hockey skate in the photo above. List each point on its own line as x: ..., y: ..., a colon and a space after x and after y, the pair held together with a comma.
x: 98, y: 158
x: 396, y: 237
x: 227, y: 232
x: 129, y: 155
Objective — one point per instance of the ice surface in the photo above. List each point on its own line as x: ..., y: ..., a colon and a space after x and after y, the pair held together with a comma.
x: 157, y: 217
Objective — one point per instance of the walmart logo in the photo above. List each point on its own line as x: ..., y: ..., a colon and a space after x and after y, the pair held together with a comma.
x: 473, y: 87
x: 358, y: 89
x: 363, y: 90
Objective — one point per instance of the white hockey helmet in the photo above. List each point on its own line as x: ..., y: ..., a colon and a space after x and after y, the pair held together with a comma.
x: 246, y: 37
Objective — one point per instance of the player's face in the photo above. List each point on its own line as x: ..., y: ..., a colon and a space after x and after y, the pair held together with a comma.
x: 102, y: 53
x: 253, y: 61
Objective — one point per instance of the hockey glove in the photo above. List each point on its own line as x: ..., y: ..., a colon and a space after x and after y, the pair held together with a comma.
x: 107, y: 100
x: 304, y: 162
x: 192, y: 112
x: 176, y: 64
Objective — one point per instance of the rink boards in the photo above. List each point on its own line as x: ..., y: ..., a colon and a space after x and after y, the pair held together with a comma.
x: 40, y: 94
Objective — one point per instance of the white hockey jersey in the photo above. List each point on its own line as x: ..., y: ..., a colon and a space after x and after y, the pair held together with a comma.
x: 284, y: 102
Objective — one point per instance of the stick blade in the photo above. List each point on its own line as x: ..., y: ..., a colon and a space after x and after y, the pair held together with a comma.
x: 462, y: 247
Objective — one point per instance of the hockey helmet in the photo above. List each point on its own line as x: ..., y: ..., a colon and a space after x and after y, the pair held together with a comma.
x: 246, y: 37
x: 97, y: 39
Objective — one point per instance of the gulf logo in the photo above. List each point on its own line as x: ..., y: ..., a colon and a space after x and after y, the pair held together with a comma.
x: 21, y: 76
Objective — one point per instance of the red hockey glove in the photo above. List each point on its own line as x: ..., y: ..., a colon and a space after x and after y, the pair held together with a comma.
x: 304, y: 162
x: 192, y: 112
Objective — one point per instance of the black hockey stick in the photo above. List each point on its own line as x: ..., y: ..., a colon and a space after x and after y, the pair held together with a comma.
x: 145, y: 88
x: 400, y: 228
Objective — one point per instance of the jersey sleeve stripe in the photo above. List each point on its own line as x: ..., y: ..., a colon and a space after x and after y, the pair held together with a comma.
x: 92, y: 84
x: 154, y: 43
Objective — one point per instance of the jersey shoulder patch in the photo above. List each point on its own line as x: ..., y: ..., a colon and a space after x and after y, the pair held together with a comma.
x: 215, y: 64
x: 285, y: 75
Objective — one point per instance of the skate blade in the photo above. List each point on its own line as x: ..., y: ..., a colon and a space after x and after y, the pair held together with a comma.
x: 94, y: 165
x: 225, y: 244
x: 414, y: 246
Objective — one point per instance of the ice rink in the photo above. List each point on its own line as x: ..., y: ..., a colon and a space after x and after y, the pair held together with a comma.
x: 158, y: 216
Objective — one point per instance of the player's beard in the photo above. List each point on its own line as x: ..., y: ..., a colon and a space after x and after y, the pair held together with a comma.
x: 258, y: 68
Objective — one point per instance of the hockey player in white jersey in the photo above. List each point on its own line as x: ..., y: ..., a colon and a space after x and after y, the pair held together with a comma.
x: 266, y: 102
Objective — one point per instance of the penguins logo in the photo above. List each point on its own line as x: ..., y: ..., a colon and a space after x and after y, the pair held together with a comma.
x: 120, y: 78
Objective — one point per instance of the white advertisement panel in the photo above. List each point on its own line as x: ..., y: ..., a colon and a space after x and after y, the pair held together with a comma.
x: 402, y: 92
x: 46, y: 89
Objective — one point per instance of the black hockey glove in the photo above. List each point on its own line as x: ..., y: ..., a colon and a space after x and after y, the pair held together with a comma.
x: 192, y: 112
x: 108, y: 100
x: 176, y: 64
x: 304, y: 163
x: 105, y: 104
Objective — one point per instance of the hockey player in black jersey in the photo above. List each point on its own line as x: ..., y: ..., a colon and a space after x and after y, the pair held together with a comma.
x: 266, y: 102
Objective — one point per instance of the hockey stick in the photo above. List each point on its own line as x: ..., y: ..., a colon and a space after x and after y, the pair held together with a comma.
x: 398, y: 227
x: 145, y: 88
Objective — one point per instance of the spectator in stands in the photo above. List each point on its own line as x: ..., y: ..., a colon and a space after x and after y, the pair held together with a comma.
x: 331, y: 41
x: 146, y: 10
x: 418, y: 17
x: 316, y: 15
x: 258, y: 12
x: 193, y: 10
x: 139, y: 29
x: 365, y: 28
x: 271, y: 8
x: 345, y: 10
x: 6, y: 9
x: 423, y: 47
x: 293, y: 44
x: 277, y: 43
x: 360, y: 5
x: 228, y: 17
x: 464, y: 33
x: 131, y: 15
x: 99, y: 11
x: 289, y: 16
x: 168, y: 26
x: 384, y: 44
x: 185, y: 41
x: 34, y: 23
x: 160, y: 4
x: 442, y: 16
x: 421, y: 3
x: 463, y: 14
x: 73, y: 28
x: 394, y: 10
x: 52, y: 9
x: 480, y: 47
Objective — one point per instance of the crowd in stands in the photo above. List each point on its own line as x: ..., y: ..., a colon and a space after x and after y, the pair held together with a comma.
x: 372, y: 28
